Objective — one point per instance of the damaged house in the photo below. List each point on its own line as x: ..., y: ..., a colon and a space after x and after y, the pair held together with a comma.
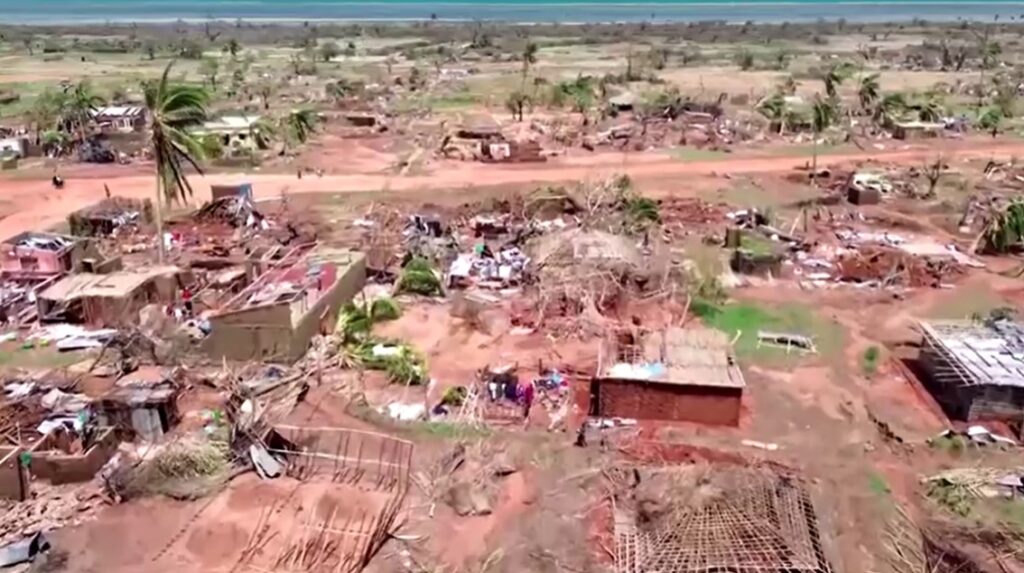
x: 35, y: 253
x: 108, y: 216
x: 109, y: 301
x: 480, y: 139
x: 275, y: 317
x: 715, y: 518
x: 120, y: 118
x: 679, y: 375
x: 975, y: 370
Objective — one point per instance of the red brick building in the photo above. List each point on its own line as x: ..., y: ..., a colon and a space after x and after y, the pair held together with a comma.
x: 680, y: 375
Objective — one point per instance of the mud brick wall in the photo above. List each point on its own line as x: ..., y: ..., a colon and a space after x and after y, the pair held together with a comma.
x: 60, y: 468
x: 13, y: 481
x: 671, y: 402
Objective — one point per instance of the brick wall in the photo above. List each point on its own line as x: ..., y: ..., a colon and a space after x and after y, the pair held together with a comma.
x: 670, y: 402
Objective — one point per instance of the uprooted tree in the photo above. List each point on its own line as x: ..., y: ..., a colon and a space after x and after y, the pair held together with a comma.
x: 1004, y: 230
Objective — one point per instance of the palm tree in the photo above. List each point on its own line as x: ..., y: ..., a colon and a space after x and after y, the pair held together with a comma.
x: 262, y: 132
x: 867, y: 91
x: 888, y: 108
x: 173, y: 109
x: 79, y: 106
x: 823, y: 114
x: 774, y: 109
x: 930, y: 110
x: 834, y: 77
x: 529, y: 58
x: 299, y: 125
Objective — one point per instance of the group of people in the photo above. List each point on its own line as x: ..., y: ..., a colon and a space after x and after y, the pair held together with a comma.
x: 503, y: 384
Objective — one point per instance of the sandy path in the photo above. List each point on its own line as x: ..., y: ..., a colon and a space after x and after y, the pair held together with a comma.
x: 36, y: 205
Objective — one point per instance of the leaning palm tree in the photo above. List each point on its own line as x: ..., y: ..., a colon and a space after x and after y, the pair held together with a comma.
x: 298, y: 126
x: 867, y: 91
x: 834, y: 77
x: 173, y: 109
x: 888, y: 109
x: 262, y: 131
x: 823, y: 115
x: 774, y: 109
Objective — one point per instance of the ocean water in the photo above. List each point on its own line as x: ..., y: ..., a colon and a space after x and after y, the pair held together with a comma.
x: 567, y: 11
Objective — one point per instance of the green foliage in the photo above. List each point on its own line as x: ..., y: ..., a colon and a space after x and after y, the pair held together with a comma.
x: 951, y: 497
x: 212, y: 146
x: 299, y: 124
x: 1005, y: 230
x: 774, y: 109
x: 329, y: 51
x: 990, y: 119
x: 745, y: 60
x: 175, y: 109
x: 356, y: 320
x: 419, y: 277
x: 641, y: 212
x: 404, y: 366
x: 868, y: 90
x: 455, y: 396
x: 579, y: 93
x: 877, y: 484
x: 745, y: 320
x: 823, y: 114
x: 385, y: 308
x: 869, y: 362
x: 835, y: 76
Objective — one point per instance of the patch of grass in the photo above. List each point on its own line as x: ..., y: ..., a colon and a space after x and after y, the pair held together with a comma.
x: 878, y: 485
x: 1011, y: 511
x: 745, y: 320
x: 869, y: 362
x: 953, y: 445
x: 758, y: 244
x: 975, y: 300
x: 13, y: 355
x: 694, y: 154
x: 455, y: 101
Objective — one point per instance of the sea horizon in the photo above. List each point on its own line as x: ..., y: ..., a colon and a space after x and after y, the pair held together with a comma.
x: 84, y: 12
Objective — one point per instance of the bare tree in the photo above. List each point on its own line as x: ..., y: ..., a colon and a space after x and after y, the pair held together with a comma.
x: 933, y: 173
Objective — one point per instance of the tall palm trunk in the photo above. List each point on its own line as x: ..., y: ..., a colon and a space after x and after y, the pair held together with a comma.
x: 161, y: 254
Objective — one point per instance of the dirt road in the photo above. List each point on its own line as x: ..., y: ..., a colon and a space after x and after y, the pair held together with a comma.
x: 34, y: 204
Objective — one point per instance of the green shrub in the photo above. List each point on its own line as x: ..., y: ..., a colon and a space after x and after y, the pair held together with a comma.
x: 419, y: 277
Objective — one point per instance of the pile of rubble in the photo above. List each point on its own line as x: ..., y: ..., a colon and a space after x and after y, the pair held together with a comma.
x: 885, y: 266
x: 50, y: 508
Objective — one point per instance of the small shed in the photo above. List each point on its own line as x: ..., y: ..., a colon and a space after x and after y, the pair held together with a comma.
x: 917, y: 130
x: 148, y: 412
x: 679, y: 375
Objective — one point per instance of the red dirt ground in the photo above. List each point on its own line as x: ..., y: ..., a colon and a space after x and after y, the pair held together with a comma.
x: 34, y: 204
